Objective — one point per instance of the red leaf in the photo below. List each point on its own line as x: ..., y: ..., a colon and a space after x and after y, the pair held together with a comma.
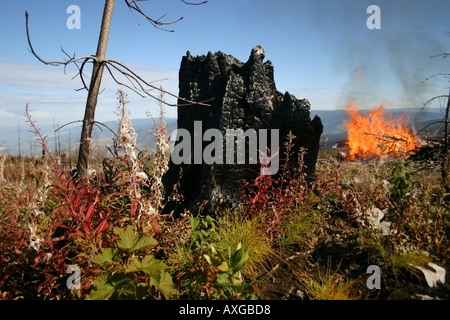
x: 87, y: 227
x: 58, y: 224
x: 133, y: 208
x: 89, y: 213
x: 102, y: 226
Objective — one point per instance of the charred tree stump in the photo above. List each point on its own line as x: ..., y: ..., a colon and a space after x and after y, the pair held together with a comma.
x: 242, y: 96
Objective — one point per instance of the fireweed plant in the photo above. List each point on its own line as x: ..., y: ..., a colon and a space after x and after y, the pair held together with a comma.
x: 53, y: 221
x: 111, y: 228
x: 276, y: 195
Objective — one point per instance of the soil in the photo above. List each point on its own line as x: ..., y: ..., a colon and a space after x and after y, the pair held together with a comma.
x: 334, y: 249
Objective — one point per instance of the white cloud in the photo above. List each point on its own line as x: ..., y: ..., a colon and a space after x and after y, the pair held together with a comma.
x: 5, y: 114
x: 52, y: 95
x: 34, y: 76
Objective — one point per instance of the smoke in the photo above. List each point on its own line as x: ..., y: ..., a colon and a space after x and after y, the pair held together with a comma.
x: 412, y: 63
x: 390, y: 66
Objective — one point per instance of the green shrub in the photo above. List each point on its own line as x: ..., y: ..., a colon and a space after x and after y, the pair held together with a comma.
x: 233, y: 230
x: 208, y: 266
x: 130, y: 273
x: 303, y: 219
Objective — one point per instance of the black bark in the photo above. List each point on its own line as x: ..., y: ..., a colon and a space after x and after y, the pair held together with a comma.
x: 244, y: 96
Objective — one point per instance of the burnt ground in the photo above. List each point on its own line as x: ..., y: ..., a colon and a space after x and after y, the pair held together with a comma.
x: 334, y: 249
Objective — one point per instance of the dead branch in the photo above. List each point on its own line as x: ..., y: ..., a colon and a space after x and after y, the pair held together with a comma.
x: 53, y: 63
x: 439, y: 122
x: 435, y: 76
x: 157, y: 23
x: 141, y: 84
x: 137, y: 83
x: 444, y: 55
x: 386, y: 137
x: 98, y: 123
x: 194, y: 3
x: 389, y: 143
x: 99, y: 61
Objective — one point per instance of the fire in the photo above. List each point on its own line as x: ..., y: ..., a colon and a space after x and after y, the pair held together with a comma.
x: 374, y: 135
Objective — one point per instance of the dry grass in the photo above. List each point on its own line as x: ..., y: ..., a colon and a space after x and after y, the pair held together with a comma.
x: 328, y: 286
x: 233, y: 229
x: 49, y: 221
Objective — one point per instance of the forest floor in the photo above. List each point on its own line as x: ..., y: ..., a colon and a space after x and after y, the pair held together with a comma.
x: 360, y: 230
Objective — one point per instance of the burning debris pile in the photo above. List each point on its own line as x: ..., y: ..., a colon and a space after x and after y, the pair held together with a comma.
x: 374, y: 134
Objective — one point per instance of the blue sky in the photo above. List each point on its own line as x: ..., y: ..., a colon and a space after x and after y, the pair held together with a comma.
x: 322, y: 50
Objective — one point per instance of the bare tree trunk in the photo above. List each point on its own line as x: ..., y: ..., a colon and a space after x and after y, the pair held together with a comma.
x: 446, y: 152
x: 94, y: 89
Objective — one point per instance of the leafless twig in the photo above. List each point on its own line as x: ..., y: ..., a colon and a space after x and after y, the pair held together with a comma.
x: 444, y: 55
x: 53, y: 63
x: 157, y: 23
x: 98, y: 123
x: 115, y: 69
x: 137, y: 83
x: 194, y: 3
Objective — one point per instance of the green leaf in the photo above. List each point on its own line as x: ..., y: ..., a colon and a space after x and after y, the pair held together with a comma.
x: 210, y: 221
x: 212, y: 260
x: 125, y: 289
x: 194, y: 223
x: 208, y: 258
x: 223, y: 278
x: 150, y: 265
x: 129, y: 240
x: 239, y: 259
x: 105, y: 255
x: 237, y: 282
x: 135, y: 265
x: 101, y: 280
x: 103, y: 290
x: 224, y: 267
x: 166, y: 286
x: 120, y: 280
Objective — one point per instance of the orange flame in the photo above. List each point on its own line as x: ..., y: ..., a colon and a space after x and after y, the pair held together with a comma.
x: 373, y: 135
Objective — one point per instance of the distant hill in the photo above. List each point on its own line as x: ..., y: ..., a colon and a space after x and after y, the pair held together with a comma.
x: 67, y: 137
